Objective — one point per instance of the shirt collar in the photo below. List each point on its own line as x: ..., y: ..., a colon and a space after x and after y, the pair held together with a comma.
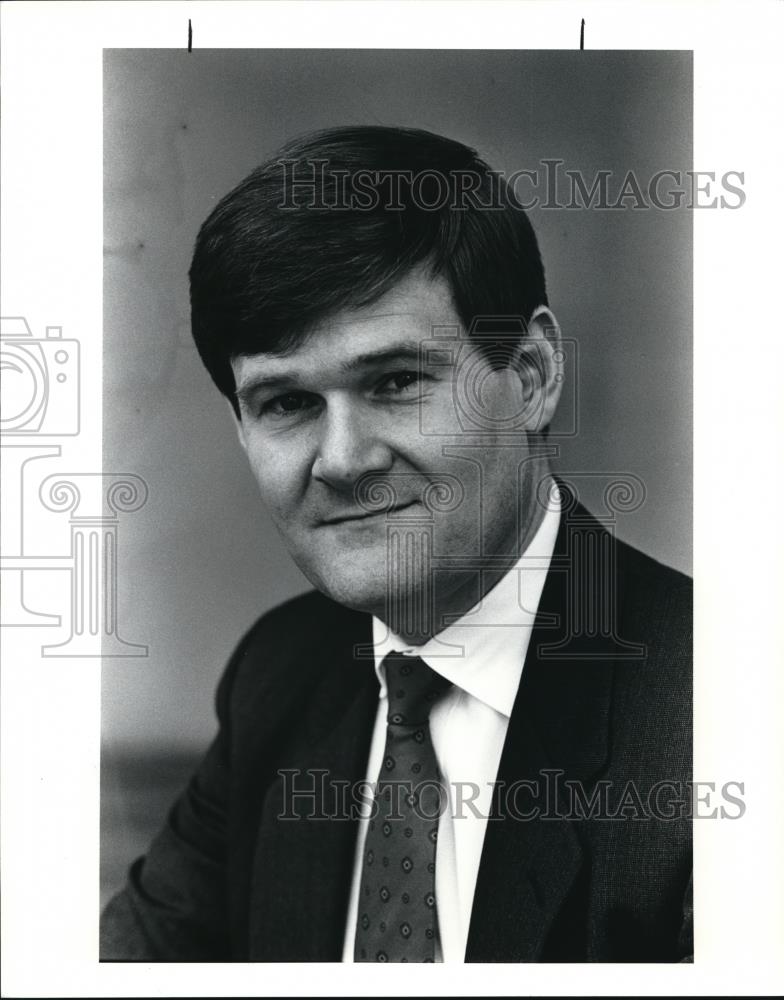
x: 483, y: 652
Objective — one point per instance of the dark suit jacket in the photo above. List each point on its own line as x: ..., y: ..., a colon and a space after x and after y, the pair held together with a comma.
x: 603, y: 709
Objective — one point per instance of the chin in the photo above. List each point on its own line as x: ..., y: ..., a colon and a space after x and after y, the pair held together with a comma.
x: 349, y: 582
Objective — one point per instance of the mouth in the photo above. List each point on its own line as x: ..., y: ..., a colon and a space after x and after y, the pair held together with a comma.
x: 365, y: 516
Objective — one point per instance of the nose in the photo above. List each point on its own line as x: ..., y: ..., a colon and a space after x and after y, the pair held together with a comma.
x: 350, y: 446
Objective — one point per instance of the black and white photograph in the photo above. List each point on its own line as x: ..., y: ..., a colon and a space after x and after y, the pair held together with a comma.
x: 370, y: 527
x: 445, y: 408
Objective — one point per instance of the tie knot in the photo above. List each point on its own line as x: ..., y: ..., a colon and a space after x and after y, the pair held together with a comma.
x: 413, y: 687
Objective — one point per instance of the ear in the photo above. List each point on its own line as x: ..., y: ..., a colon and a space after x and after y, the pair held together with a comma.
x: 238, y: 426
x: 541, y: 367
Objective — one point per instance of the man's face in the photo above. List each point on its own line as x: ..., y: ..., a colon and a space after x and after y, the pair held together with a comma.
x: 353, y: 419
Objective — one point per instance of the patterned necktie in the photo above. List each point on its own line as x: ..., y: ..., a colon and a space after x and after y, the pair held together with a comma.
x: 396, y: 916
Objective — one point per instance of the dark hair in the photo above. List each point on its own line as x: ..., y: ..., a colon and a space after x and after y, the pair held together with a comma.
x: 338, y: 217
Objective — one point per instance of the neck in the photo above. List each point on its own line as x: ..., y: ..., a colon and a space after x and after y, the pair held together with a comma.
x: 421, y: 615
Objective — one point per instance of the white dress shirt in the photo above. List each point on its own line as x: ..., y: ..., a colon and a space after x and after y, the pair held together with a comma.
x: 482, y: 653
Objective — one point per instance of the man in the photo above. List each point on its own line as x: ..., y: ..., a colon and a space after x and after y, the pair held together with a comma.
x: 472, y: 741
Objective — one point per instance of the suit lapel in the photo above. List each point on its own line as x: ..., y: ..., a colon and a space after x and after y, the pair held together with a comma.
x: 558, y: 731
x: 304, y: 857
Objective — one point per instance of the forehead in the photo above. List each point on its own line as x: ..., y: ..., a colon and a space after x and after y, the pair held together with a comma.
x: 407, y: 313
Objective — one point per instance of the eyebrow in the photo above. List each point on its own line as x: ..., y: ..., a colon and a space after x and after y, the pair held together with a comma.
x: 405, y: 351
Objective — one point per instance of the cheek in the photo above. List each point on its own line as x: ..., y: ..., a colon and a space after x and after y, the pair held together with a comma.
x: 279, y: 477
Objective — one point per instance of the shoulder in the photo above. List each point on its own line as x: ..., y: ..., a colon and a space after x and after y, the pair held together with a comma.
x: 637, y: 578
x: 296, y: 622
x: 653, y: 596
x: 285, y: 648
x: 646, y: 604
x: 648, y: 599
x: 653, y: 685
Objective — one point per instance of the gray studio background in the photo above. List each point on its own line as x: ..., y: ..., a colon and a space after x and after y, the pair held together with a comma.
x: 200, y: 561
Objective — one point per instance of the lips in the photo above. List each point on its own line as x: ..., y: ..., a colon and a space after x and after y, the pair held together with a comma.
x: 364, y: 515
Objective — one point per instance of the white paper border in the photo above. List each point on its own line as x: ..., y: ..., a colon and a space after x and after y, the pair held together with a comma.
x: 51, y: 273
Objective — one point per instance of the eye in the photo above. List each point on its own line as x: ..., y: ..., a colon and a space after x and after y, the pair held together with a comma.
x: 399, y: 382
x: 290, y: 404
